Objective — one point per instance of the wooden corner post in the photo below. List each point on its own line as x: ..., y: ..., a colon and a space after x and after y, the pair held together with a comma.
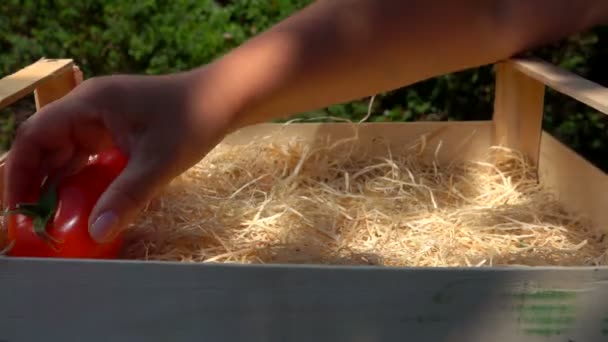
x: 57, y: 86
x: 518, y: 111
x: 48, y: 79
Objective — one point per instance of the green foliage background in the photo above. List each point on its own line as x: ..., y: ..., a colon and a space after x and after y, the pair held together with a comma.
x: 159, y: 36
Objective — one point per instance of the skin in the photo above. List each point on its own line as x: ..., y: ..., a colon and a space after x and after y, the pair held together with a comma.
x: 330, y: 52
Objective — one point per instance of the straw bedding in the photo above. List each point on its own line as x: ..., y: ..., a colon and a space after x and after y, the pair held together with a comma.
x: 330, y: 204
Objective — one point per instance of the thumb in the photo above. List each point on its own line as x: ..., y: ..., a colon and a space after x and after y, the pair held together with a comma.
x: 123, y: 199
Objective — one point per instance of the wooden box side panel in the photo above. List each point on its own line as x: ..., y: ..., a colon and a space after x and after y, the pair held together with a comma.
x: 442, y: 141
x: 99, y: 301
x: 578, y: 184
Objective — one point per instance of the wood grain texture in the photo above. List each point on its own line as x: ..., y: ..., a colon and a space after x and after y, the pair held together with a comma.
x: 56, y: 87
x: 19, y: 84
x: 443, y: 141
x: 577, y: 183
x: 57, y: 300
x: 518, y: 111
x: 565, y: 82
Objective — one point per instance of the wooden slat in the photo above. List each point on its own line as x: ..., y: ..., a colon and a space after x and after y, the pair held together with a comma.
x: 446, y: 141
x: 565, y: 82
x: 16, y: 86
x: 518, y: 111
x: 56, y: 300
x: 579, y: 185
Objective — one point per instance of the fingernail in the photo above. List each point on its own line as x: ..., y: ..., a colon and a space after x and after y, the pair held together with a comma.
x: 102, y: 227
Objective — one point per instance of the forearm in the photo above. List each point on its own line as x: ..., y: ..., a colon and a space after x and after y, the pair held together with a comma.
x: 337, y: 51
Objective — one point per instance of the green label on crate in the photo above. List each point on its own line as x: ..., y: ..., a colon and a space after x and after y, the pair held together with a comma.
x: 546, y: 312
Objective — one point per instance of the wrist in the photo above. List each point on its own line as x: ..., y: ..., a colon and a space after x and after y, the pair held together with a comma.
x: 211, y: 104
x: 245, y: 86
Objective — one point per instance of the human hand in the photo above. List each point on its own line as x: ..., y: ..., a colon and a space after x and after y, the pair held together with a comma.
x: 152, y: 119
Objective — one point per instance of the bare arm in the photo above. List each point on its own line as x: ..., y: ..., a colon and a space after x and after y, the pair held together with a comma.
x: 331, y: 52
x: 340, y: 50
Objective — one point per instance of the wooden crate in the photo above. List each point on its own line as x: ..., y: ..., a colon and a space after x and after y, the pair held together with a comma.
x: 85, y: 300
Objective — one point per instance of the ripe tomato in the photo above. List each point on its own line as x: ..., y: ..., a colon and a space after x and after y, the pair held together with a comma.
x: 57, y: 225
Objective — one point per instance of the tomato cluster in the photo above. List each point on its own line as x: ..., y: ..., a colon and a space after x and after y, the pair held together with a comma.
x: 57, y: 224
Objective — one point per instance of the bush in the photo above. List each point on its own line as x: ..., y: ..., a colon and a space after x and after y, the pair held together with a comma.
x: 144, y: 36
x: 159, y: 36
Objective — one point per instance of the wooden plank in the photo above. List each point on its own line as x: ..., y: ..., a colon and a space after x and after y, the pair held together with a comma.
x: 56, y: 87
x: 578, y: 184
x: 57, y: 300
x: 445, y: 141
x: 19, y: 84
x: 518, y: 111
x: 565, y: 82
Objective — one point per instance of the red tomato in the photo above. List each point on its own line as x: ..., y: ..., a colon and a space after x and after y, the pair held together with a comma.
x: 66, y: 233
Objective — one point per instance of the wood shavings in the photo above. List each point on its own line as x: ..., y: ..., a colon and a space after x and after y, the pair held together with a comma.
x: 290, y: 203
x: 322, y: 203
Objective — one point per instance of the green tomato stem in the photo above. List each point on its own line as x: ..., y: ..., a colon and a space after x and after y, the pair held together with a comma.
x: 41, y: 212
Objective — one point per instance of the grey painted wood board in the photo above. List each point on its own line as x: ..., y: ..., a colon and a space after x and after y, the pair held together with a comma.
x: 75, y: 300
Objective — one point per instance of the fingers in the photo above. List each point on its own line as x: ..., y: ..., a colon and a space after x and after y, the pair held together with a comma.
x: 67, y: 166
x: 51, y: 142
x: 57, y: 141
x: 126, y: 196
x: 24, y: 168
